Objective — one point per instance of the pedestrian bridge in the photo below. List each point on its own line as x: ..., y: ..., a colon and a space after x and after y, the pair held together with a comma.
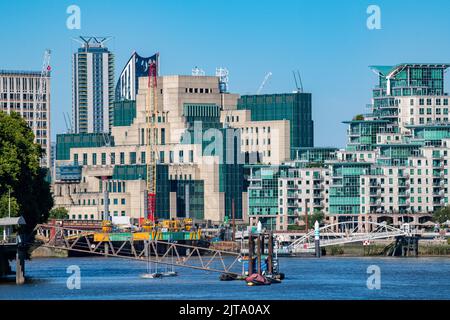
x: 329, y: 237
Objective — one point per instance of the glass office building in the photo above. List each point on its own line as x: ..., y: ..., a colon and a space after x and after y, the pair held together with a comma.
x: 295, y: 107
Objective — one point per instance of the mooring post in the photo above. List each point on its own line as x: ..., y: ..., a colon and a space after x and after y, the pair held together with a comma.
x: 250, y: 253
x: 20, y: 267
x: 258, y: 254
x: 106, y: 249
x: 317, y: 238
x: 270, y: 254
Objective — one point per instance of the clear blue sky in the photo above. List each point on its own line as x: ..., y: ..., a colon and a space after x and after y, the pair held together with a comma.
x: 328, y: 41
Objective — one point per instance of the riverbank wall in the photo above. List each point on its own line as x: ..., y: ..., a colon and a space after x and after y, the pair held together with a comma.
x: 426, y: 248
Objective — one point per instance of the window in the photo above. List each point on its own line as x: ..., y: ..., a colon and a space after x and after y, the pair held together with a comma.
x: 181, y: 156
x: 122, y: 201
x: 85, y: 159
x: 94, y: 159
x: 113, y: 158
x: 122, y: 158
x: 75, y: 158
x: 132, y: 157
x: 143, y: 157
x: 103, y: 158
x: 161, y: 157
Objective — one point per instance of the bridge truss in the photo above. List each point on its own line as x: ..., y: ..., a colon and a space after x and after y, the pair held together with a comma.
x: 163, y: 252
x: 329, y: 237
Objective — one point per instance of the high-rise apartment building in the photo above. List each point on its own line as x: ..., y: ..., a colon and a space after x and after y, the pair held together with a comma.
x: 92, y: 86
x: 128, y: 82
x: 394, y: 169
x: 19, y: 92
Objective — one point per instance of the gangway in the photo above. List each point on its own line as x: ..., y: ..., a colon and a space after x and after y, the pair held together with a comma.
x: 70, y: 239
x: 329, y: 237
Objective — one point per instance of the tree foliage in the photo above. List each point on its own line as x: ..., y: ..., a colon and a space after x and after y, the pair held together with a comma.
x: 312, y: 218
x: 59, y: 213
x: 442, y: 215
x: 358, y: 117
x: 20, y: 170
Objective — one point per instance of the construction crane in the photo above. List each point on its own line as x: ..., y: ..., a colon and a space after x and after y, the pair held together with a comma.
x: 41, y: 91
x: 299, y: 87
x: 268, y: 75
x: 151, y: 117
x: 67, y: 121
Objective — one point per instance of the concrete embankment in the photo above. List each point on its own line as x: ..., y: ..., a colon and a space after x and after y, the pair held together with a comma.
x: 44, y: 252
x: 426, y: 248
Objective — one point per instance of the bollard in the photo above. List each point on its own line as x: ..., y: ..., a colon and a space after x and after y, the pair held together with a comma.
x: 317, y: 239
x: 258, y: 254
x: 250, y: 253
x: 270, y: 254
x: 106, y: 249
x: 20, y: 268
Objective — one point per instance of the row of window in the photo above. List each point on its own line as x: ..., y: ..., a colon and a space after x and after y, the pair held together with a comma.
x: 91, y: 217
x: 197, y: 90
x: 132, y: 158
x: 101, y: 202
x: 429, y: 101
x: 16, y: 84
x: 430, y: 111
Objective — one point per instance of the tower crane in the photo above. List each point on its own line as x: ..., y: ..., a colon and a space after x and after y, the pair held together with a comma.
x: 151, y: 117
x: 268, y: 75
x: 299, y: 87
x: 41, y: 91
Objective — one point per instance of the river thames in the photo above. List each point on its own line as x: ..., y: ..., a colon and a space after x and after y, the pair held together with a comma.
x: 306, y: 278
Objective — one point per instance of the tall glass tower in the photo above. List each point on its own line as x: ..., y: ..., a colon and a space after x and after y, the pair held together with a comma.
x: 92, y: 86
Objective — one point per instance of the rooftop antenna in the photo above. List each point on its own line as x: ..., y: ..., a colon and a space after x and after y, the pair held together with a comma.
x: 268, y: 75
x: 196, y: 71
x: 222, y: 73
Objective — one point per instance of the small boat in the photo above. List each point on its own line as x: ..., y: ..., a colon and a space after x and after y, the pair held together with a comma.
x: 169, y: 274
x: 257, y: 280
x: 151, y: 275
x: 227, y: 277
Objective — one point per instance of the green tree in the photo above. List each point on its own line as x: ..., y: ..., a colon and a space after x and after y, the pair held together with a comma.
x: 59, y: 213
x: 358, y: 117
x: 20, y: 170
x: 312, y: 218
x: 442, y: 215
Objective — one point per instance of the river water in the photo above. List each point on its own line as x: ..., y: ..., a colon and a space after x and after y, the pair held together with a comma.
x: 306, y: 278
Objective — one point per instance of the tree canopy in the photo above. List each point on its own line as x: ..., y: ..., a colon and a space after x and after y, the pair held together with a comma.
x: 20, y: 172
x: 315, y: 216
x: 59, y: 213
x: 442, y: 215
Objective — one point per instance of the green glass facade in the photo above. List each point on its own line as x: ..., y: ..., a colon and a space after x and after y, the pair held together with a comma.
x: 263, y: 193
x: 124, y: 113
x: 139, y: 172
x: 208, y: 114
x: 64, y: 142
x: 345, y: 189
x: 195, y: 194
x: 295, y: 107
x: 316, y: 155
x: 362, y: 134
